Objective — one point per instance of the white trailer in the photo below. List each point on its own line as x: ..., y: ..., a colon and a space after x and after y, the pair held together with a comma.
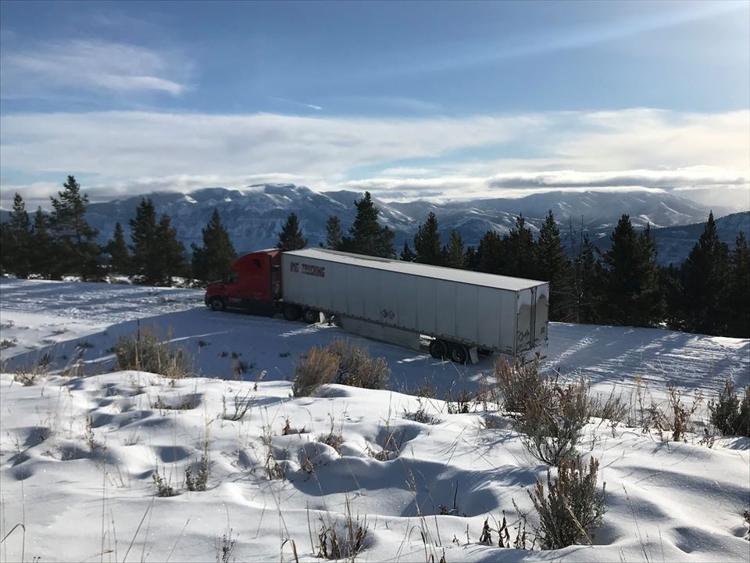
x: 461, y: 310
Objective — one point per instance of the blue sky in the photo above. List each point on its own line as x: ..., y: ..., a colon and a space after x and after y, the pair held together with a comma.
x: 490, y: 99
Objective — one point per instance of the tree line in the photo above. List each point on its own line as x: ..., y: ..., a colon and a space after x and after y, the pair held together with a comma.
x: 622, y: 286
x: 61, y: 243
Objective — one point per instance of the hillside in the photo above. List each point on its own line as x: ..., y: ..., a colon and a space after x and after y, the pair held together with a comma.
x: 78, y: 454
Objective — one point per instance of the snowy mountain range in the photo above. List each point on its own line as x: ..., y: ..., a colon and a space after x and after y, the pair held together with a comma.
x: 253, y: 216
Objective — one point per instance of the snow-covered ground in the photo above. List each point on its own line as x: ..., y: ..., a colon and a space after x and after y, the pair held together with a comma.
x: 77, y: 454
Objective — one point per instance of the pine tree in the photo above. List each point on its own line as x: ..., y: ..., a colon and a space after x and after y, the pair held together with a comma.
x: 649, y: 308
x: 17, y: 240
x: 43, y: 251
x: 631, y: 280
x: 334, y: 234
x: 491, y: 253
x: 171, y: 250
x: 366, y: 236
x: 587, y: 286
x: 291, y: 237
x: 427, y: 242
x: 520, y: 251
x: 453, y: 252
x: 406, y: 254
x: 76, y: 239
x: 212, y: 261
x: 146, y: 261
x: 554, y: 266
x: 705, y: 281
x: 119, y: 261
x: 739, y: 289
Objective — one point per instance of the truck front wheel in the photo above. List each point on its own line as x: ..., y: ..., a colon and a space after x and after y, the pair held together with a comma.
x: 292, y: 312
x: 217, y: 304
x: 439, y: 349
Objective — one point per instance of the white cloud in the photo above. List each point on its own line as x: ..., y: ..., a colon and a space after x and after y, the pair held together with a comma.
x: 117, y: 153
x: 91, y: 65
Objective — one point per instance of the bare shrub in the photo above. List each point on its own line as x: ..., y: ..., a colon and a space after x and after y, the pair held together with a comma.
x: 163, y: 486
x: 317, y: 368
x: 553, y: 419
x: 516, y: 382
x: 571, y: 507
x: 421, y: 415
x: 225, y: 547
x: 357, y: 368
x: 241, y: 404
x: 145, y: 351
x: 681, y: 414
x: 729, y: 415
x: 26, y: 379
x: 199, y: 481
x: 342, y: 541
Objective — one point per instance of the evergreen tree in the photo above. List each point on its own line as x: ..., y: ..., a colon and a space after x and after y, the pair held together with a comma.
x: 334, y: 234
x: 146, y: 261
x: 491, y: 253
x: 291, y: 237
x: 171, y: 251
x: 406, y: 254
x: 631, y: 283
x: 705, y: 282
x: 453, y: 252
x: 366, y: 236
x: 554, y: 266
x: 670, y: 287
x: 427, y: 242
x: 119, y: 261
x: 43, y: 251
x: 212, y: 261
x: 520, y: 251
x: 739, y: 289
x: 17, y: 240
x: 78, y: 251
x: 587, y: 287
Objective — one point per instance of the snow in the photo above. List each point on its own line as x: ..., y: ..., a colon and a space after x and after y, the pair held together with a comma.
x: 77, y: 453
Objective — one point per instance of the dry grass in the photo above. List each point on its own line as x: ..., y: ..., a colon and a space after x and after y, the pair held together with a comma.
x: 340, y: 362
x: 145, y: 351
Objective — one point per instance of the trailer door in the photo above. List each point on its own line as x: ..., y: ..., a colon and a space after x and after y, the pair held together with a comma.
x: 524, y: 320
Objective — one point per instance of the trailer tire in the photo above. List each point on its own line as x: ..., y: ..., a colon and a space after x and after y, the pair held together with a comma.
x: 459, y: 353
x: 217, y: 304
x: 439, y: 349
x: 311, y: 316
x: 292, y: 312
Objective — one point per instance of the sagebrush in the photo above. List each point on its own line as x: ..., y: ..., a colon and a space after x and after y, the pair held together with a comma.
x: 145, y: 351
x: 729, y: 414
x: 339, y: 362
x: 570, y: 507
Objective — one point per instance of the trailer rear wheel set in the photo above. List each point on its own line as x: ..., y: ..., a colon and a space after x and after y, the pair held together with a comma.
x: 445, y: 350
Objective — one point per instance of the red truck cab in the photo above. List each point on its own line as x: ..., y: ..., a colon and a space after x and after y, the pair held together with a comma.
x: 253, y: 284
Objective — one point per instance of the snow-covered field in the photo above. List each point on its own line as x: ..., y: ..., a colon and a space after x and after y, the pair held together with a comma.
x: 77, y: 454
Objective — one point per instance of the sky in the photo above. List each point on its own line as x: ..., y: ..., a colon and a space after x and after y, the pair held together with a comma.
x: 408, y: 100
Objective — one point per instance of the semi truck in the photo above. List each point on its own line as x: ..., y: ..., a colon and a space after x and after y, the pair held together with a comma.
x: 459, y: 313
